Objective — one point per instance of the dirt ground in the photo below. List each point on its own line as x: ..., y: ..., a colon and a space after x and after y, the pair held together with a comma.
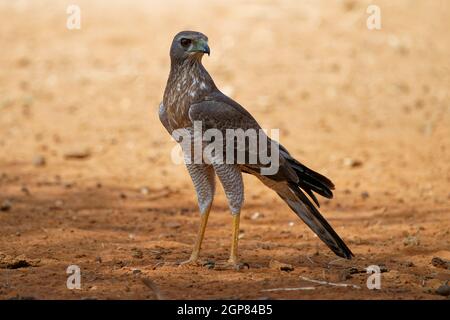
x: 86, y: 176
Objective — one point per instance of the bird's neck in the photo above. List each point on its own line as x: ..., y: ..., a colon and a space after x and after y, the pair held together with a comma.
x: 188, y: 83
x: 190, y: 72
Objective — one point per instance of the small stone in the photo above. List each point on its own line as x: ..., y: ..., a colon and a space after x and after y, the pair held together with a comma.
x: 173, y: 225
x: 344, y: 275
x: 138, y: 254
x: 25, y: 190
x: 59, y: 203
x: 136, y: 271
x: 256, y: 216
x: 383, y: 268
x: 39, y: 161
x: 410, y: 241
x: 144, y: 190
x: 17, y: 263
x: 443, y: 290
x: 277, y: 265
x: 365, y: 195
x: 352, y: 163
x: 68, y: 185
x: 120, y: 263
x: 77, y: 154
x: 6, y: 205
x: 98, y: 259
x: 209, y: 264
x: 407, y: 264
x: 440, y: 263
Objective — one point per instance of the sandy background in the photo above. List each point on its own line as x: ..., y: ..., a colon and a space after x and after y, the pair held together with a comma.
x: 370, y: 109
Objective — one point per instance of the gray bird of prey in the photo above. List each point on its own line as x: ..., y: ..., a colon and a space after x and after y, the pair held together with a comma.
x: 191, y: 96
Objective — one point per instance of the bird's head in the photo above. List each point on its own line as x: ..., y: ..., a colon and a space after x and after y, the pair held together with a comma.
x: 189, y: 45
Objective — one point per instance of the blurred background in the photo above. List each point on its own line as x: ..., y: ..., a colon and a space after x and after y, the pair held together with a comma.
x: 82, y: 149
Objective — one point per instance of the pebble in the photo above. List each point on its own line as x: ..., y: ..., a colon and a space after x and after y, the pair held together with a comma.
x: 407, y: 264
x: 138, y: 254
x: 39, y: 161
x: 277, y: 265
x: 410, y: 241
x: 68, y: 185
x: 6, y: 205
x: 365, y: 195
x: 173, y: 225
x: 443, y: 290
x: 59, y: 203
x: 352, y: 163
x: 209, y: 264
x: 25, y: 190
x: 440, y: 263
x: 256, y: 216
x: 344, y: 275
x: 79, y: 154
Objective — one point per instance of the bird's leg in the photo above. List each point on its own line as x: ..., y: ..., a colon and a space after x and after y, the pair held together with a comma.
x: 203, y: 178
x: 198, y: 242
x: 231, y: 178
x: 235, y: 240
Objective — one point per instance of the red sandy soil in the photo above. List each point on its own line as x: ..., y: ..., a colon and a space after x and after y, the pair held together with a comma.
x: 369, y: 109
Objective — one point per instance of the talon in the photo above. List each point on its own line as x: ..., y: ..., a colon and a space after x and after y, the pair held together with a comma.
x: 233, y: 265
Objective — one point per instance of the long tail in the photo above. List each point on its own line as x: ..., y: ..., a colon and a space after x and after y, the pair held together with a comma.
x: 303, y: 207
x: 309, y: 181
x: 288, y: 183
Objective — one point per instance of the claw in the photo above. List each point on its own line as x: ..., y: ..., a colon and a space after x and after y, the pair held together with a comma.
x: 232, y: 265
x: 240, y: 266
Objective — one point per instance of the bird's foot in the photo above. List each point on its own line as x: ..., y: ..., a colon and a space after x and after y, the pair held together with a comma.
x: 238, y: 265
x: 232, y: 264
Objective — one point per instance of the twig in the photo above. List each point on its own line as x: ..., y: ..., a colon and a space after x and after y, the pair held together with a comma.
x: 289, y: 289
x: 163, y: 194
x: 330, y: 283
x: 335, y: 260
x: 310, y: 260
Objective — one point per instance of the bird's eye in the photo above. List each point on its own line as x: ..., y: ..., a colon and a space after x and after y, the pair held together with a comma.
x: 185, y: 42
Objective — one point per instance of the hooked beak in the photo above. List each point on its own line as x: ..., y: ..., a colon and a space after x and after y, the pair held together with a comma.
x: 200, y: 46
